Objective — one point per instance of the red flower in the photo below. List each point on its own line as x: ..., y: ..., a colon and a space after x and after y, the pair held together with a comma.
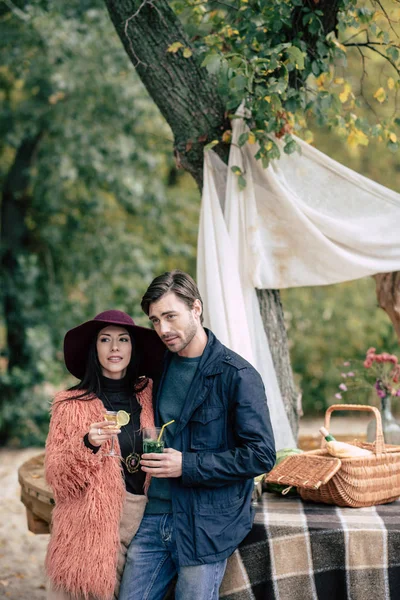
x: 383, y: 373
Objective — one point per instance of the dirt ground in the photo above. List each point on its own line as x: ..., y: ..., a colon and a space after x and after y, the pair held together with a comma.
x: 22, y: 553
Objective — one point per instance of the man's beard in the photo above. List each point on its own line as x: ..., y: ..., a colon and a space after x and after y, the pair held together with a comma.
x: 189, y: 334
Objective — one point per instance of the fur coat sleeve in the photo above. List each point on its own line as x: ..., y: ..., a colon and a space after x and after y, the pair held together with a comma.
x: 67, y: 457
x: 89, y: 493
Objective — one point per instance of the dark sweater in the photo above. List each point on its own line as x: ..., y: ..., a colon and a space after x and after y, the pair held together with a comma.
x: 172, y: 398
x: 116, y: 395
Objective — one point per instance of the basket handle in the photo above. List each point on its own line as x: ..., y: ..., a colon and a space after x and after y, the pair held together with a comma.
x: 379, y: 440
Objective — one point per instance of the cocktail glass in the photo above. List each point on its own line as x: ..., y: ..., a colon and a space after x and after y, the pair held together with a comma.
x: 111, y: 417
x: 151, y: 441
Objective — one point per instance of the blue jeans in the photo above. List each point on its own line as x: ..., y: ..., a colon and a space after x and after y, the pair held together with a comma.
x: 152, y: 563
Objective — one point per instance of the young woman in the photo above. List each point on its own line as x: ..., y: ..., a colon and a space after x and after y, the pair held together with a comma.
x: 92, y: 492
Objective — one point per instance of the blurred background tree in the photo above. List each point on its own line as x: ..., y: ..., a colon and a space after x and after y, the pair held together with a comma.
x: 93, y: 206
x: 91, y: 203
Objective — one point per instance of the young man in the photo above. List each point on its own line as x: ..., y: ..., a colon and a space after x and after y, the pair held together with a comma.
x: 199, y: 506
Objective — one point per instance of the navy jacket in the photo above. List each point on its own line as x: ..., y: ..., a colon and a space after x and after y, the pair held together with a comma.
x: 226, y: 439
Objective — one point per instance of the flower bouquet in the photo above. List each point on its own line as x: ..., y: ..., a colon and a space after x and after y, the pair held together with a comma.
x: 379, y: 372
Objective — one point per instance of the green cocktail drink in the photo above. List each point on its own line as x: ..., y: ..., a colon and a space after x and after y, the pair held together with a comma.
x: 152, y: 439
x: 152, y: 446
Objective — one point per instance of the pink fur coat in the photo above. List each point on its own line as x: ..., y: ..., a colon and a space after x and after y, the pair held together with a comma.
x: 89, y: 494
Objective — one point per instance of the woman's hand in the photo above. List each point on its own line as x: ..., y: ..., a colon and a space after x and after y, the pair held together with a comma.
x: 102, y: 432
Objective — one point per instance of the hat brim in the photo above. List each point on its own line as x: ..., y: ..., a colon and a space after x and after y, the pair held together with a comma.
x: 149, y: 348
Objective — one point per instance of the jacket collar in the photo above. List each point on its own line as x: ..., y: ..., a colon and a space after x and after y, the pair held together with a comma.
x: 209, y: 365
x: 210, y: 362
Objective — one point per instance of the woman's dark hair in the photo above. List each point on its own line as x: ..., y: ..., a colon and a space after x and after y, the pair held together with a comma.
x: 91, y: 382
x: 176, y: 281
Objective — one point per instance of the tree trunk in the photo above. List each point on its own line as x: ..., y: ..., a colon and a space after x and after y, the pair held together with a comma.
x: 14, y: 237
x: 187, y: 97
x: 388, y: 295
x: 274, y: 326
x: 329, y: 8
x: 183, y: 91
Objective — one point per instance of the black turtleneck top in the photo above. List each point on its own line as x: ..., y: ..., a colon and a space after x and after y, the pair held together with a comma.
x: 116, y: 395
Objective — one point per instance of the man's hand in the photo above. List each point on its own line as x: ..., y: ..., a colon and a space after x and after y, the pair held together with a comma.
x: 168, y: 464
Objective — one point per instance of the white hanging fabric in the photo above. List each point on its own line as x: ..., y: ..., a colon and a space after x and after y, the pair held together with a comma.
x: 312, y: 221
x: 305, y: 220
x: 230, y: 302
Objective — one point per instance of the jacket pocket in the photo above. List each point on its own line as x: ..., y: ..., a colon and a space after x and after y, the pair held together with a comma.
x: 207, y: 429
x: 220, y: 529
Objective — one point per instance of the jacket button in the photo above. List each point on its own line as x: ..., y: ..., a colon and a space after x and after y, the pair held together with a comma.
x: 227, y: 357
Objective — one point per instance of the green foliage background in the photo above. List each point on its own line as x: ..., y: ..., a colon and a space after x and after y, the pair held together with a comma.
x: 277, y: 58
x: 108, y: 209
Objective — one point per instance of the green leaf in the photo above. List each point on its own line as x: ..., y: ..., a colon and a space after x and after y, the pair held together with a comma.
x: 296, y: 56
x: 290, y: 147
x: 212, y: 62
x: 243, y: 137
x: 238, y: 83
x: 393, y: 53
x: 315, y: 68
x: 265, y: 161
x: 236, y: 170
x: 241, y: 182
x: 235, y: 62
x: 278, y: 86
x: 292, y: 104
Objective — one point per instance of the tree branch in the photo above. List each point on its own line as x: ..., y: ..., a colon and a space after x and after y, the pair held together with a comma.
x: 364, y: 74
x: 370, y: 46
x: 379, y: 3
x: 330, y: 9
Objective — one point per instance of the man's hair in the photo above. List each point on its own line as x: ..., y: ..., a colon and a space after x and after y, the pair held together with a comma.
x: 176, y: 281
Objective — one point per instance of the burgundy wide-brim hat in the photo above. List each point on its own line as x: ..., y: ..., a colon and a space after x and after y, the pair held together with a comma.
x: 149, y: 349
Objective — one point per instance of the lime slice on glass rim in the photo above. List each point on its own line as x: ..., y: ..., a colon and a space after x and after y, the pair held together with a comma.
x: 123, y: 418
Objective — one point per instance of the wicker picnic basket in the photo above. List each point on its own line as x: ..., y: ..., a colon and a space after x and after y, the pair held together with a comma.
x: 355, y: 482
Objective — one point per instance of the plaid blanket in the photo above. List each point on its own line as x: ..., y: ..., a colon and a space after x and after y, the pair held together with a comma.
x: 306, y: 551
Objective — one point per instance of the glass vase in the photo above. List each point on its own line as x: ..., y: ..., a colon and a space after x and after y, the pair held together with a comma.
x: 390, y: 427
